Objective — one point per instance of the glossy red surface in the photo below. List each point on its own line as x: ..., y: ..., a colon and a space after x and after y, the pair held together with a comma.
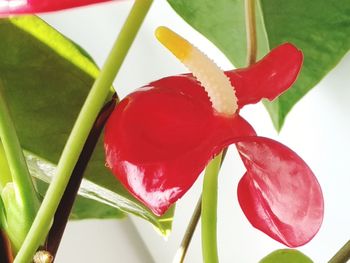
x: 269, y: 77
x: 160, y: 138
x: 279, y: 194
x: 11, y: 7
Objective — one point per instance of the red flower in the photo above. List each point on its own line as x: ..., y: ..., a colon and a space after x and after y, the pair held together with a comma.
x: 160, y: 138
x: 13, y: 7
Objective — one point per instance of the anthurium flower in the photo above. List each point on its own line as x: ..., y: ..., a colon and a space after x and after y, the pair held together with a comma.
x: 13, y: 7
x: 160, y: 138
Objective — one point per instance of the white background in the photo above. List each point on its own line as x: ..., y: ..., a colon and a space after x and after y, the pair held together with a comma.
x: 317, y: 129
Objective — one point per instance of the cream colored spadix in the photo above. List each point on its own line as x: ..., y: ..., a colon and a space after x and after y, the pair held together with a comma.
x: 212, y: 78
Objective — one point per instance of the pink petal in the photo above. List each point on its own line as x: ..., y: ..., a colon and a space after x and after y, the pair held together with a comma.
x: 269, y: 77
x: 279, y: 194
x: 11, y: 7
x: 160, y: 138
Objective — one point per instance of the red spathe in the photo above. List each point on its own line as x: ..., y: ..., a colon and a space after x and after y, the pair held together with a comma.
x: 15, y: 7
x: 160, y: 138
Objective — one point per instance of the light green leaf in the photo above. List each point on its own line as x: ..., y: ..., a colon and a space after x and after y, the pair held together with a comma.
x: 46, y: 79
x: 16, y: 225
x: 320, y: 28
x: 286, y: 256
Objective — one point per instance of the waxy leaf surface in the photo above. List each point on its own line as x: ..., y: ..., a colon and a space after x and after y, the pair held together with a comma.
x: 46, y: 79
x: 286, y: 256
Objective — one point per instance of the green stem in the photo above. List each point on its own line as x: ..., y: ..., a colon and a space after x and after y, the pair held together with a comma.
x: 343, y: 255
x: 5, y: 175
x: 65, y: 206
x: 185, y: 243
x: 186, y: 240
x: 21, y: 177
x: 252, y: 42
x: 209, y: 209
x: 209, y: 198
x: 81, y: 129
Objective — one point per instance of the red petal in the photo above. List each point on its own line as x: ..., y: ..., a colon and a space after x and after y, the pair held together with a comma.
x: 279, y: 194
x: 10, y: 7
x: 161, y: 137
x: 269, y: 77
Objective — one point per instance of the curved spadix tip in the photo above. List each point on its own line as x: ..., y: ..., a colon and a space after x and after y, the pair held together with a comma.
x: 177, y: 45
x: 212, y: 78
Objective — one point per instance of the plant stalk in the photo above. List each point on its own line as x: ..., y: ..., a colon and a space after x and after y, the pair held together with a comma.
x: 5, y: 248
x: 252, y: 42
x: 209, y: 199
x: 209, y: 211
x: 81, y: 130
x: 185, y: 243
x: 63, y: 211
x: 343, y: 255
x: 26, y: 194
x: 186, y: 240
x: 5, y: 176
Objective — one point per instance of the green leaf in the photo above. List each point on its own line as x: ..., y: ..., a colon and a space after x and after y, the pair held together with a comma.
x: 89, y: 208
x: 286, y: 256
x: 321, y: 29
x: 16, y: 224
x: 85, y: 208
x: 46, y: 79
x: 223, y: 23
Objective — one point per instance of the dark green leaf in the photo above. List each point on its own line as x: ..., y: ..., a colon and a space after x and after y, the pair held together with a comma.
x: 46, y: 79
x: 84, y: 208
x: 89, y: 208
x: 321, y: 29
x: 223, y: 23
x: 286, y: 256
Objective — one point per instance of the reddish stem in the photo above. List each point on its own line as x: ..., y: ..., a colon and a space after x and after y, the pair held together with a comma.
x: 69, y: 196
